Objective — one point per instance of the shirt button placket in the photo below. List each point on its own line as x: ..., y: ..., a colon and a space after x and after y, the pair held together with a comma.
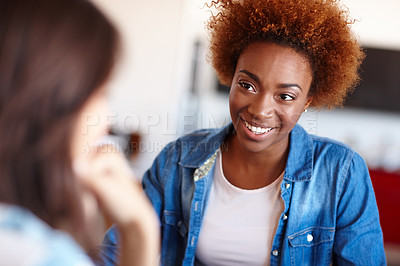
x: 275, y: 253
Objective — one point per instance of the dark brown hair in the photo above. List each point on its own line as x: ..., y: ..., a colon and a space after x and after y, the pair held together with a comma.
x: 319, y: 29
x: 54, y: 54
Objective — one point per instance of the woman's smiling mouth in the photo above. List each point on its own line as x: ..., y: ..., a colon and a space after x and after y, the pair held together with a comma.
x: 257, y: 130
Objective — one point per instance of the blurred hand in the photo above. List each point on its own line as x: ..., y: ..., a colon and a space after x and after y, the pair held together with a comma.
x: 121, y: 198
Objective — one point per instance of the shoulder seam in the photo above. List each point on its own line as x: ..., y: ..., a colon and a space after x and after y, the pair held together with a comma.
x: 331, y: 141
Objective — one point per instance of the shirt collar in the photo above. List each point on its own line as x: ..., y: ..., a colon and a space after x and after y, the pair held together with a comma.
x: 203, y: 150
x: 300, y: 159
x: 299, y: 165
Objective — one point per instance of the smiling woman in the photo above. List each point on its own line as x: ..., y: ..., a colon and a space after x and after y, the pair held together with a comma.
x: 262, y: 191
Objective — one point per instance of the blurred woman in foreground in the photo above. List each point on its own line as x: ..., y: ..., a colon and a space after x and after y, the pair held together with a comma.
x: 55, y: 60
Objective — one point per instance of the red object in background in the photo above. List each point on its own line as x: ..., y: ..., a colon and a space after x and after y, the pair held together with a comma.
x: 387, y: 192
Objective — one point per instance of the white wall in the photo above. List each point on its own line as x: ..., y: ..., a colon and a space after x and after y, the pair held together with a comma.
x: 144, y: 88
x: 378, y: 22
x: 150, y: 90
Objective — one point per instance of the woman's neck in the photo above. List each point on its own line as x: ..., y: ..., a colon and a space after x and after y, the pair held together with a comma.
x: 251, y: 170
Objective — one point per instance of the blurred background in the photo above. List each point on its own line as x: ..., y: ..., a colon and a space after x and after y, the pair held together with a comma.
x: 164, y: 87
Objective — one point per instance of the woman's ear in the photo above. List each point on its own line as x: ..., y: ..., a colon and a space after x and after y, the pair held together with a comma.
x: 308, y: 103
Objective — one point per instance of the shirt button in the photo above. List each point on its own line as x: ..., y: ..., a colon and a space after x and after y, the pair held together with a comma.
x: 287, y: 186
x: 284, y: 217
x: 310, y: 237
x: 275, y: 253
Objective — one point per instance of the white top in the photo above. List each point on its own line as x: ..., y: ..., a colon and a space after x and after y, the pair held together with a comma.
x: 238, y: 225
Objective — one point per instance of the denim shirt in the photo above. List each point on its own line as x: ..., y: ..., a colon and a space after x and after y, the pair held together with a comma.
x: 330, y: 212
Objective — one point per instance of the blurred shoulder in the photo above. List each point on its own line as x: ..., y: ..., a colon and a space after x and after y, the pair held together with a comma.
x: 336, y: 151
x: 26, y: 240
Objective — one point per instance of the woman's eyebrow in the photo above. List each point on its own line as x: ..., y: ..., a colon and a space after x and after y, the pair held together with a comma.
x: 251, y: 75
x: 289, y: 85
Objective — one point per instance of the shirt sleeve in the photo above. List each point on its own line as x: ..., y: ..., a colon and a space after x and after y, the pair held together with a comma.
x: 153, y: 178
x: 358, y: 237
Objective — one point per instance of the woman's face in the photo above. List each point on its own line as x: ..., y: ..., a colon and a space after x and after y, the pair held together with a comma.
x: 269, y: 93
x: 90, y: 127
x: 91, y: 124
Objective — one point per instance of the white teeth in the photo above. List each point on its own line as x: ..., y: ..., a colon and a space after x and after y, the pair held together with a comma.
x: 257, y: 130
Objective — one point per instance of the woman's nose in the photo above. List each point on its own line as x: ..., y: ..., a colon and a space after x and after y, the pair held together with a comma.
x: 262, y: 107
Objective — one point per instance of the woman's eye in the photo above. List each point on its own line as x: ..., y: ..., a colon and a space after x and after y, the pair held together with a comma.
x: 247, y: 86
x: 287, y: 97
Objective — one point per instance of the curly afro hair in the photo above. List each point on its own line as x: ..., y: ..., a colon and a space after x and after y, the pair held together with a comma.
x: 319, y: 29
